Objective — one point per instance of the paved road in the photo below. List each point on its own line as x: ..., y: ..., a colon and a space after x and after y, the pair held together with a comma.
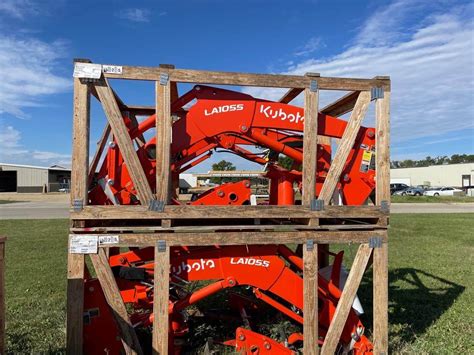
x: 59, y: 209
x: 432, y: 208
x: 34, y: 210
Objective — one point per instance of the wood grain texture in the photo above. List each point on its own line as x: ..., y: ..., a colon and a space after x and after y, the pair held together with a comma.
x: 248, y: 237
x: 311, y: 102
x: 229, y: 212
x: 310, y: 300
x: 98, y: 153
x: 248, y: 79
x: 114, y: 300
x: 163, y: 139
x: 79, y: 189
x: 342, y: 105
x: 382, y: 146
x: 380, y: 285
x: 160, y: 301
x: 345, y: 146
x: 347, y: 298
x: 290, y: 95
x: 124, y: 142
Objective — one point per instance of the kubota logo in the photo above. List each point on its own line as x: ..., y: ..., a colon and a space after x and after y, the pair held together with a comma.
x: 223, y: 109
x: 196, y: 266
x: 249, y: 261
x: 269, y: 112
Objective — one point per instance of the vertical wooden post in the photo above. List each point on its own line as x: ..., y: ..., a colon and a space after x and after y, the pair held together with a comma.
x: 161, y: 298
x: 310, y: 299
x: 380, y: 266
x: 311, y: 102
x: 163, y: 136
x: 382, y: 148
x: 380, y: 292
x: 310, y: 251
x: 79, y: 188
x: 2, y: 294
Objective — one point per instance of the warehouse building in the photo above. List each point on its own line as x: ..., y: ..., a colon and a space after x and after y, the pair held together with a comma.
x: 455, y: 175
x: 28, y: 178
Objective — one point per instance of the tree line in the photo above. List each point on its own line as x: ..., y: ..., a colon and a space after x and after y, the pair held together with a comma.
x: 440, y: 160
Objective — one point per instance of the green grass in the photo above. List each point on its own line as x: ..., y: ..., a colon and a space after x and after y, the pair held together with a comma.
x: 431, y: 199
x: 431, y: 295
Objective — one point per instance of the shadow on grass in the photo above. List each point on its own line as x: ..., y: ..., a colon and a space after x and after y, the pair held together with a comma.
x: 416, y: 300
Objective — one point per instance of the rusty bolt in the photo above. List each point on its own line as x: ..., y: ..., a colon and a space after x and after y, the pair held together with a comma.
x: 267, y: 345
x: 370, y: 134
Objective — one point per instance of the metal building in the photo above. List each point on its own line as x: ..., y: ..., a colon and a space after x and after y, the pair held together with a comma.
x: 456, y: 175
x: 29, y: 178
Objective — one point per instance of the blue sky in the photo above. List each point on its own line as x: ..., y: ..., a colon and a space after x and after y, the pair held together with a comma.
x: 425, y: 46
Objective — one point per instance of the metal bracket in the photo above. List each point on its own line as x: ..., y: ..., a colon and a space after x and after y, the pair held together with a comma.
x: 161, y: 245
x: 310, y: 245
x: 375, y: 242
x: 317, y: 205
x: 77, y: 205
x: 313, y: 86
x: 376, y: 93
x: 164, y: 77
x: 156, y: 206
x: 385, y: 206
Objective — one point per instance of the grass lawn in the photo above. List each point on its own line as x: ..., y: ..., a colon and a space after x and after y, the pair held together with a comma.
x: 431, y: 295
x: 431, y: 199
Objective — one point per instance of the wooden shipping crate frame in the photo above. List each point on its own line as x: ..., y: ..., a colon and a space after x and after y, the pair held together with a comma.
x: 85, y: 219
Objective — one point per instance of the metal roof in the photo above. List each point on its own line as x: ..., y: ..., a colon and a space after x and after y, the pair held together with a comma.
x: 52, y: 167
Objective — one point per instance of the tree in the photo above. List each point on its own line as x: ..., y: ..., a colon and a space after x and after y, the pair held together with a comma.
x: 223, y: 165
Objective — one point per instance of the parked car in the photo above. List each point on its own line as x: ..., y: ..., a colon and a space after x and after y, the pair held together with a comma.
x: 397, y: 187
x: 443, y: 191
x: 415, y: 191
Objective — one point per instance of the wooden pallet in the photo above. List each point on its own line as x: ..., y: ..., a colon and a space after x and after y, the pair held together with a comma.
x: 314, y: 224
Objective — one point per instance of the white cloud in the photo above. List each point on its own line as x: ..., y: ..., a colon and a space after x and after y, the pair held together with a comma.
x: 429, y: 56
x: 27, y: 69
x: 18, y: 8
x: 310, y: 47
x: 136, y: 15
x: 12, y: 151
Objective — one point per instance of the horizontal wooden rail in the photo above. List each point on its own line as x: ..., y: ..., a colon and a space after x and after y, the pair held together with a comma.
x: 229, y: 212
x: 241, y: 238
x: 248, y: 79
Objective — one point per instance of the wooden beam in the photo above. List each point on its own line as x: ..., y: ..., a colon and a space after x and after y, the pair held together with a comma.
x: 310, y: 299
x: 161, y: 299
x: 345, y: 146
x: 124, y: 142
x: 79, y: 189
x: 163, y: 139
x: 111, y: 291
x: 380, y: 302
x: 382, y: 147
x: 247, y: 79
x: 247, y: 237
x: 342, y: 106
x: 98, y: 152
x: 290, y: 95
x: 230, y: 212
x: 347, y: 298
x: 311, y: 102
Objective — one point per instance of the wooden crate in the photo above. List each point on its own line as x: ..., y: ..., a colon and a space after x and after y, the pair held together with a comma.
x: 311, y: 224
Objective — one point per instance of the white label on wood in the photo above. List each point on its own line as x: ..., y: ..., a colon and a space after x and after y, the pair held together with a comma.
x: 87, y: 70
x: 112, y: 69
x: 108, y: 239
x: 83, y: 244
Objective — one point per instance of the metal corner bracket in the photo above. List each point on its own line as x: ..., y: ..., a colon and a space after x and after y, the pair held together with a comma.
x: 375, y: 242
x: 317, y: 205
x: 156, y: 206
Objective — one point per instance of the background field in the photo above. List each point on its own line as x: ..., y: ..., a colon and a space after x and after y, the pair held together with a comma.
x: 431, y: 297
